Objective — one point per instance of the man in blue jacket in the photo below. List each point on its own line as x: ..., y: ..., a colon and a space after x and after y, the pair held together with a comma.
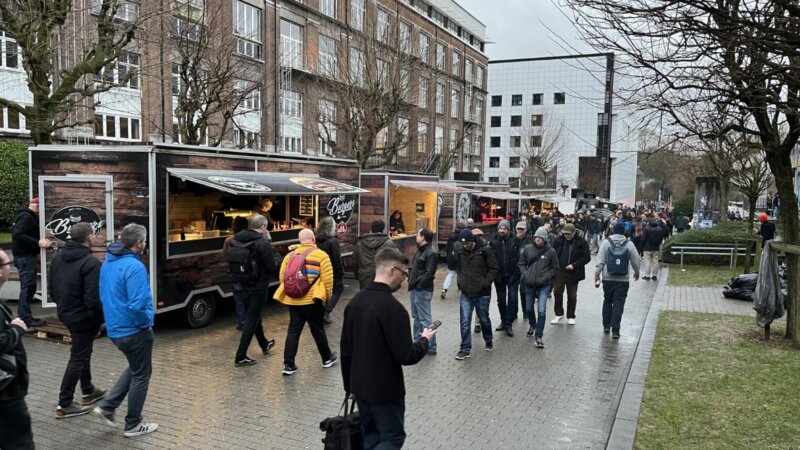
x: 128, y: 310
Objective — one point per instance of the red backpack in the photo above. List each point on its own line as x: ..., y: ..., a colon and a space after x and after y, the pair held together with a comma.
x: 295, y: 277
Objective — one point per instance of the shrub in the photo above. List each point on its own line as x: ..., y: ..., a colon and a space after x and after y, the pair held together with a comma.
x: 13, y: 182
x: 684, y: 206
x: 725, y: 233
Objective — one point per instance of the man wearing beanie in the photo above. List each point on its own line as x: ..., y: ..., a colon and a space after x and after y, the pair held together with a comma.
x: 506, y: 248
x: 538, y: 264
x: 573, y: 255
x: 477, y: 269
x: 616, y: 255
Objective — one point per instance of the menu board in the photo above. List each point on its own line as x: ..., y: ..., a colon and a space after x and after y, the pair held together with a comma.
x: 307, y: 205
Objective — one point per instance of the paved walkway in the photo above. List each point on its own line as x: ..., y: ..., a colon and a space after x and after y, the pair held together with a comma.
x: 704, y: 300
x: 517, y: 397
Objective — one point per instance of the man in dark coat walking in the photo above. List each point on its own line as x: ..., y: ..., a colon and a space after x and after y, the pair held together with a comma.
x: 506, y: 249
x: 375, y: 345
x: 25, y: 245
x: 573, y: 255
x: 420, y: 284
x: 477, y: 269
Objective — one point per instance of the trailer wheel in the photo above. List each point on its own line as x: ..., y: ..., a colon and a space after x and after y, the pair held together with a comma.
x: 200, y: 311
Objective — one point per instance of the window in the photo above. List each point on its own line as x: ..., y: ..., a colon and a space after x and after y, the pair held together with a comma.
x: 327, y: 130
x: 438, y: 142
x: 559, y: 98
x: 380, y: 140
x: 516, y: 121
x: 479, y: 111
x: 494, y: 179
x: 456, y: 63
x: 177, y: 81
x: 479, y: 76
x: 252, y: 101
x: 9, y: 51
x: 328, y: 7
x: 11, y: 120
x: 124, y: 71
x: 357, y: 66
x: 440, y: 56
x: 602, y: 119
x: 537, y: 120
x: 439, y: 98
x: 424, y: 44
x: 405, y: 37
x: 247, y: 29
x: 423, y: 92
x: 494, y: 161
x: 537, y: 99
x: 497, y: 100
x: 468, y: 107
x: 468, y: 64
x: 513, y: 162
x: 536, y: 141
x: 382, y: 72
x: 515, y: 141
x: 497, y: 121
x: 382, y: 28
x: 246, y: 139
x: 402, y: 130
x: 327, y: 56
x: 184, y: 28
x: 516, y: 100
x: 292, y: 144
x: 291, y: 45
x: 454, y: 103
x: 291, y: 104
x: 453, y: 139
x: 358, y: 10
x: 513, y: 181
x: 126, y: 11
x: 118, y: 128
x: 494, y: 141
x: 422, y: 137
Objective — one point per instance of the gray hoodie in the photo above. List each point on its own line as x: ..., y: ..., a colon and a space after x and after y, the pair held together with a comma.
x: 602, y: 256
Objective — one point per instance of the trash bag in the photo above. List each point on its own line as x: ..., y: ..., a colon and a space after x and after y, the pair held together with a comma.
x: 768, y: 297
x: 741, y: 287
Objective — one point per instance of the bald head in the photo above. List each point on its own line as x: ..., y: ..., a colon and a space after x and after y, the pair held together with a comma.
x: 5, y: 267
x: 307, y: 236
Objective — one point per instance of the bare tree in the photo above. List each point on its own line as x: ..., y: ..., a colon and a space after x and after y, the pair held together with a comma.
x: 750, y: 174
x: 695, y: 56
x: 448, y: 158
x: 543, y: 143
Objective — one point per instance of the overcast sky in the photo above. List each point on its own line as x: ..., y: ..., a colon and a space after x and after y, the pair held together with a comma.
x: 526, y: 28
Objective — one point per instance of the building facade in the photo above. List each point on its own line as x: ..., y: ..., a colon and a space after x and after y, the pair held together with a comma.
x: 552, y: 122
x: 296, y: 53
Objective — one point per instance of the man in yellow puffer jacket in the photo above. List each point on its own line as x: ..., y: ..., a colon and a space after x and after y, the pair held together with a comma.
x: 311, y: 307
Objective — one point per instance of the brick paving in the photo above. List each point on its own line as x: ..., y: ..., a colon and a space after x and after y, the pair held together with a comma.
x: 517, y: 397
x: 704, y: 300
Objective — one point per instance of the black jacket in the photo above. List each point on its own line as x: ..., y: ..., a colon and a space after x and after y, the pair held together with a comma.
x: 330, y: 245
x: 452, y: 250
x: 477, y: 270
x: 265, y: 259
x: 538, y: 265
x: 653, y: 236
x: 506, y: 250
x: 579, y: 256
x: 367, y: 246
x: 25, y: 233
x: 376, y: 342
x: 74, y: 287
x: 767, y: 232
x: 11, y: 343
x: 423, y: 269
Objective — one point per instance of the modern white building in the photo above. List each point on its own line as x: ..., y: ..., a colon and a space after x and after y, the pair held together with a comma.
x: 559, y: 112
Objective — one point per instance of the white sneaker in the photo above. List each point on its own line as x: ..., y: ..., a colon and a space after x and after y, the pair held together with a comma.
x: 571, y: 321
x: 556, y: 320
x: 142, y: 428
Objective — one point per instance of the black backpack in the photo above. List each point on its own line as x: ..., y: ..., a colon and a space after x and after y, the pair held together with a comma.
x: 242, y: 261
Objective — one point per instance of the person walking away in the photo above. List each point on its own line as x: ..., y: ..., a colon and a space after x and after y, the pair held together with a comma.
x: 617, y: 254
x: 680, y: 223
x: 306, y: 284
x: 538, y: 264
x: 15, y: 420
x: 638, y: 226
x: 594, y: 228
x: 477, y: 270
x: 451, y: 249
x: 420, y: 285
x: 767, y: 230
x: 375, y: 345
x: 328, y: 243
x: 25, y: 245
x: 75, y: 289
x: 573, y: 255
x: 653, y: 237
x: 128, y: 311
x: 776, y: 206
x: 252, y: 263
x: 239, y: 224
x: 505, y: 247
x: 367, y: 246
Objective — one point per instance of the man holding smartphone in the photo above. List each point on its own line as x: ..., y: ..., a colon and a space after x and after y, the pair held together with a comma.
x: 376, y: 343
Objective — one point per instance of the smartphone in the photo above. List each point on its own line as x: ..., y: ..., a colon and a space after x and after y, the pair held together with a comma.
x: 435, y: 325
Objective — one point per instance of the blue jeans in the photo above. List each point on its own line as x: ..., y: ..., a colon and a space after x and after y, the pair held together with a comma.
x: 448, y: 280
x: 507, y: 289
x: 540, y: 293
x: 481, y: 306
x: 614, y: 295
x: 240, y: 304
x: 26, y: 266
x: 421, y: 313
x: 382, y: 424
x: 135, y: 380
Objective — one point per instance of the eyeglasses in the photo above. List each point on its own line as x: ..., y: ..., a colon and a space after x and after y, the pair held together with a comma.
x: 404, y: 272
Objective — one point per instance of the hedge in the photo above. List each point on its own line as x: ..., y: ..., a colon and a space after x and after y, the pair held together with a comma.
x: 684, y: 206
x: 13, y: 182
x: 725, y: 232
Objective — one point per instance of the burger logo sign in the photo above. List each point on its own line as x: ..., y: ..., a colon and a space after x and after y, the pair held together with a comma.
x: 340, y: 208
x: 62, y: 221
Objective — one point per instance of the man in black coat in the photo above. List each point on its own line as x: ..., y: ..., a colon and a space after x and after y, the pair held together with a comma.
x: 505, y: 247
x: 477, y: 270
x: 651, y: 246
x: 25, y: 245
x: 375, y: 345
x: 74, y: 287
x: 420, y: 284
x: 573, y: 255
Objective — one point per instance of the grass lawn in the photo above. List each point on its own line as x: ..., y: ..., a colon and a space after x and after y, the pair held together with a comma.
x: 5, y: 237
x: 703, y: 276
x: 712, y: 384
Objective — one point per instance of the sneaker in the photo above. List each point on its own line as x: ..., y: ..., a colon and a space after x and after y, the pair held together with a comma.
x: 431, y: 352
x: 509, y: 331
x: 571, y: 321
x: 94, y: 397
x: 654, y: 278
x: 477, y: 328
x: 462, y: 354
x: 332, y: 361
x: 107, y: 416
x: 443, y: 295
x: 289, y: 369
x: 71, y: 411
x: 524, y: 316
x: 556, y: 320
x: 501, y: 327
x: 606, y: 330
x: 327, y: 319
x: 142, y: 428
x: 646, y: 278
x: 489, y: 346
x: 530, y: 332
x: 270, y: 344
x: 246, y: 361
x: 238, y: 328
x: 34, y: 322
x: 539, y: 343
x: 615, y: 336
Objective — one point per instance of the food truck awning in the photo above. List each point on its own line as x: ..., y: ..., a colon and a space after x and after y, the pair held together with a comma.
x: 261, y: 183
x: 431, y: 186
x: 553, y: 198
x: 503, y: 196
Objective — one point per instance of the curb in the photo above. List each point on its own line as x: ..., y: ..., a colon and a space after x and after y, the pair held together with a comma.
x: 623, y: 431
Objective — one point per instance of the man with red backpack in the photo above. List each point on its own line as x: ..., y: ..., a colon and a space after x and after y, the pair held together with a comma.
x: 306, y: 284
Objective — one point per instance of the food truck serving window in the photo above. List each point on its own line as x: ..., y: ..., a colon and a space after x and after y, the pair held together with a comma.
x: 413, y: 205
x: 203, y: 205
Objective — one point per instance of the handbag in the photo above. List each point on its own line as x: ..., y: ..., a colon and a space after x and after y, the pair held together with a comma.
x: 343, y: 432
x: 8, y: 363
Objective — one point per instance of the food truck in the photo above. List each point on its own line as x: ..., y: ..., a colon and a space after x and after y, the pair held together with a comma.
x: 187, y: 197
x: 486, y: 204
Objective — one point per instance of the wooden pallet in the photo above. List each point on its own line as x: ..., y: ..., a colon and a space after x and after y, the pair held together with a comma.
x: 54, y: 330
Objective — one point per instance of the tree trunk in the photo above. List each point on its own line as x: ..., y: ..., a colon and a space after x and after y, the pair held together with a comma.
x: 751, y: 214
x: 724, y: 190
